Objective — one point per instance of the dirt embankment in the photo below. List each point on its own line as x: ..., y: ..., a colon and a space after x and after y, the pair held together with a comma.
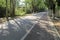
x: 57, y: 25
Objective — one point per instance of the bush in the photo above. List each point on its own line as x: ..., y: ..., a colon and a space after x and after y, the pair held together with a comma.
x: 28, y: 11
x: 42, y: 9
x: 2, y: 11
x: 19, y: 12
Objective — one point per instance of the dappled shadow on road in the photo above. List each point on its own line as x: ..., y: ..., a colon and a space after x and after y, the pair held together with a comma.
x: 11, y: 32
x: 17, y: 28
x: 24, y: 23
x: 45, y: 30
x: 39, y: 33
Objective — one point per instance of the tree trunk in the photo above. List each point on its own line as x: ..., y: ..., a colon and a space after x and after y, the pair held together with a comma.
x: 33, y: 6
x: 12, y: 7
x: 53, y: 11
x: 6, y: 9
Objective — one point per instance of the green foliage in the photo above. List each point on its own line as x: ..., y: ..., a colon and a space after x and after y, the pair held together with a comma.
x: 19, y: 12
x: 42, y: 5
x: 2, y: 3
x: 58, y: 2
x: 3, y: 7
x: 29, y: 7
x: 50, y: 3
x: 35, y: 5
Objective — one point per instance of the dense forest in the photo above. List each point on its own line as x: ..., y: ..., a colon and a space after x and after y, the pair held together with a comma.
x: 22, y: 7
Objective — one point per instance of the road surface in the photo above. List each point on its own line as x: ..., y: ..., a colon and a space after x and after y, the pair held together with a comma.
x: 23, y: 28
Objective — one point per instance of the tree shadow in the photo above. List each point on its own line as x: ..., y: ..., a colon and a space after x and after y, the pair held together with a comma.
x: 13, y: 32
x: 17, y: 28
x: 38, y: 33
x: 24, y: 23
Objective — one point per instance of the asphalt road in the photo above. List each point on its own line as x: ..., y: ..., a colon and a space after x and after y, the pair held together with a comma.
x: 43, y: 30
x: 16, y: 29
x: 26, y: 28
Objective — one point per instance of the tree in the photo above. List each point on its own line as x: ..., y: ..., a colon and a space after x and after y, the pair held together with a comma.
x: 36, y: 5
x: 12, y: 7
x: 6, y: 9
x: 51, y: 4
x: 58, y: 2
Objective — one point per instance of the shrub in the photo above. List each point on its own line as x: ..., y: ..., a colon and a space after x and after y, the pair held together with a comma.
x: 2, y: 11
